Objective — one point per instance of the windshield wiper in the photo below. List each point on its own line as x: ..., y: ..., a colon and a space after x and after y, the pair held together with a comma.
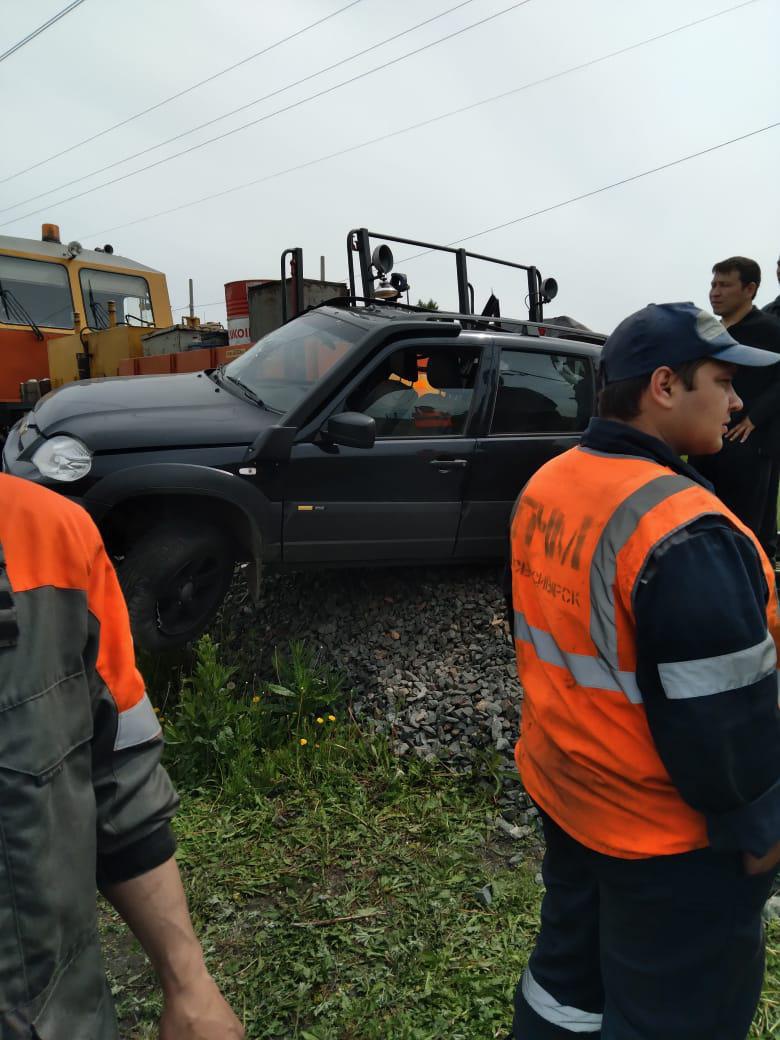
x: 99, y: 319
x: 15, y: 310
x: 242, y: 386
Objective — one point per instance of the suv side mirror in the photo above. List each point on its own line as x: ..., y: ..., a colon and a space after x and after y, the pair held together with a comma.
x: 352, y: 429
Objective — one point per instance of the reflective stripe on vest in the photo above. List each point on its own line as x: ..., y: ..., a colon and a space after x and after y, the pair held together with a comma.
x: 585, y: 671
x: 618, y: 529
x: 586, y: 753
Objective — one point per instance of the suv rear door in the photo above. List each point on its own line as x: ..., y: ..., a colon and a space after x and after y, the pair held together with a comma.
x: 543, y: 400
x: 402, y: 499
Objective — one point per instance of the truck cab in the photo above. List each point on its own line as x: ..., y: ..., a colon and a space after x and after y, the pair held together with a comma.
x: 53, y: 296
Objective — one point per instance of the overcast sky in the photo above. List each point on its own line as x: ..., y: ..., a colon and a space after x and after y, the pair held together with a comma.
x: 653, y: 239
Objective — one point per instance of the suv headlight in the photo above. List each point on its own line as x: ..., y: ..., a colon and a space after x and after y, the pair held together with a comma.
x: 63, y: 458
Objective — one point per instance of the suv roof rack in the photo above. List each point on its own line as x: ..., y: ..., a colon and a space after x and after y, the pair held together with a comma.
x: 377, y: 264
x: 381, y: 260
x: 478, y: 322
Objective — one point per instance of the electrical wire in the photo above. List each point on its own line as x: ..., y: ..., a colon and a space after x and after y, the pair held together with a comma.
x: 235, y: 111
x: 414, y: 126
x: 526, y: 216
x: 270, y: 115
x: 180, y: 93
x: 196, y: 306
x: 41, y: 28
x: 599, y: 191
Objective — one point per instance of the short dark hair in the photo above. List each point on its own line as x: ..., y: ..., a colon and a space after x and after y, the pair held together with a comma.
x: 620, y: 400
x: 747, y: 269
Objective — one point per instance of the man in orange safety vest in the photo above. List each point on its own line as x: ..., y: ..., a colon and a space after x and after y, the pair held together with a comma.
x: 645, y: 623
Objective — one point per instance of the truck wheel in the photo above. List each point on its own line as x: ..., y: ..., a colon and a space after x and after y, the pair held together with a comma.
x: 174, y: 580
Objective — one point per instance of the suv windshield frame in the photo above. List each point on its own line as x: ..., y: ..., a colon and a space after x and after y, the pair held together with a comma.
x: 282, y: 368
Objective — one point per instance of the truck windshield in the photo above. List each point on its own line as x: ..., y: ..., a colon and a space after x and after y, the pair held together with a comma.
x: 35, y: 291
x: 282, y: 367
x: 130, y: 294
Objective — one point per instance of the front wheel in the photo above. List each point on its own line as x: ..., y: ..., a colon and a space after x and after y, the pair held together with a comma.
x: 174, y: 580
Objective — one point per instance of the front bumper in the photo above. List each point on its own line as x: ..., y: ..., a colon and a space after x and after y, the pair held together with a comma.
x: 13, y: 464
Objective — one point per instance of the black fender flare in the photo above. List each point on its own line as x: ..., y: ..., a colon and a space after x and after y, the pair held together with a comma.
x: 174, y: 478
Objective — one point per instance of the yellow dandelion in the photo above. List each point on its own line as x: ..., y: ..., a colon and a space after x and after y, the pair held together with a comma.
x: 303, y: 742
x: 256, y: 699
x: 331, y: 718
x: 157, y: 711
x: 316, y: 745
x: 320, y: 720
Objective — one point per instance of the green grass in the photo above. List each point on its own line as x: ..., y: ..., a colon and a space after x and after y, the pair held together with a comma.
x: 347, y: 907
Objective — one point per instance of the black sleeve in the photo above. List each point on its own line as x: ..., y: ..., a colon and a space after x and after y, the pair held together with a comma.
x: 134, y: 798
x: 767, y: 404
x: 706, y: 667
x: 130, y: 862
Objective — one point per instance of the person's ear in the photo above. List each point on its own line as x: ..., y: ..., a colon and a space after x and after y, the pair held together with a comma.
x: 661, y: 385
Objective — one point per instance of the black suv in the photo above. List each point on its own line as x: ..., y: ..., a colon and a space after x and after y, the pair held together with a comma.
x: 358, y: 434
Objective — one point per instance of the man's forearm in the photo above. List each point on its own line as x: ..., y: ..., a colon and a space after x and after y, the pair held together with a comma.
x: 155, y: 907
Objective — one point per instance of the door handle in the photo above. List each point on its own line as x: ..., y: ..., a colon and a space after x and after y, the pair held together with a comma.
x: 449, y: 463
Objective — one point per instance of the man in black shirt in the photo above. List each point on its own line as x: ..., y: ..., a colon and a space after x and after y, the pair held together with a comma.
x: 745, y: 472
x: 773, y: 308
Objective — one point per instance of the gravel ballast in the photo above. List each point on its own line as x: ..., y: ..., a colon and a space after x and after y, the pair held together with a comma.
x: 426, y: 651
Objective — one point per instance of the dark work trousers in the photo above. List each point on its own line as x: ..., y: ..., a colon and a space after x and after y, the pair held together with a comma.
x: 747, y: 482
x: 768, y: 536
x: 668, y: 948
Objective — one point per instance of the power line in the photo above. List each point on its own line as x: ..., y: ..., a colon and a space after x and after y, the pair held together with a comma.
x: 186, y: 307
x: 415, y: 126
x: 235, y: 111
x: 526, y: 216
x: 173, y: 97
x: 599, y: 191
x: 41, y: 28
x: 269, y: 115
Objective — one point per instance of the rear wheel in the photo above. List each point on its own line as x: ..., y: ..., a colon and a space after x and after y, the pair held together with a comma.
x: 174, y: 580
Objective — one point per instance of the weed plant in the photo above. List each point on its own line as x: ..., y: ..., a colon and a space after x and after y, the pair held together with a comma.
x: 221, y: 737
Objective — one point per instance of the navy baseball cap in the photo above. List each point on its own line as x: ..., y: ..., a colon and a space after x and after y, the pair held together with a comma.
x: 671, y: 334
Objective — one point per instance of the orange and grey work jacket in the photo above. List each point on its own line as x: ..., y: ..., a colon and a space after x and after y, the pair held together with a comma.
x: 588, y: 531
x: 82, y: 792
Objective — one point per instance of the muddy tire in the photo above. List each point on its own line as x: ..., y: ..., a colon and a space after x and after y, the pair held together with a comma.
x: 174, y: 580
